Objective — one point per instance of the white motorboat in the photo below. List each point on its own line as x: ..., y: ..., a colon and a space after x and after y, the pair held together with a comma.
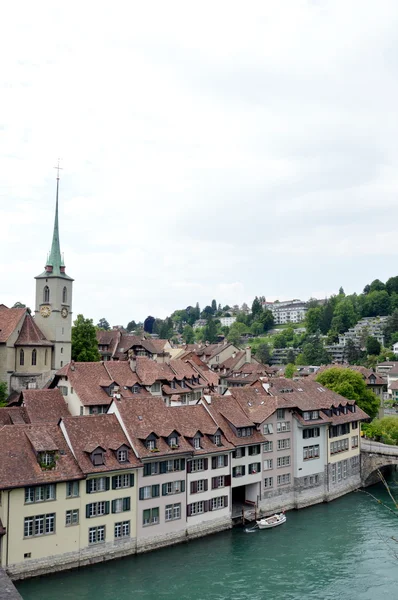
x: 273, y: 521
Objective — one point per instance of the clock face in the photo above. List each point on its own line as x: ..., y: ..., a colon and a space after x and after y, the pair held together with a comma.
x: 45, y: 311
x: 64, y: 312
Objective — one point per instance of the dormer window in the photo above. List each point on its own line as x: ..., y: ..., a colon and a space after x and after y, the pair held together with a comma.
x: 183, y: 384
x: 135, y: 389
x: 217, y: 439
x: 173, y: 442
x: 173, y: 385
x: 123, y: 455
x: 47, y: 460
x: 151, y: 445
x: 196, y: 443
x: 98, y: 457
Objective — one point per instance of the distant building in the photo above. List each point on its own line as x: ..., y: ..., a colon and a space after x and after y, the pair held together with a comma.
x: 227, y: 321
x: 289, y: 311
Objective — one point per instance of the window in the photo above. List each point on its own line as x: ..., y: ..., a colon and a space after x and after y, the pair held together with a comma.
x: 97, y: 509
x: 283, y: 479
x: 197, y: 508
x: 46, y: 294
x: 34, y: 356
x: 21, y: 357
x: 72, y: 517
x: 244, y: 431
x: 169, y: 466
x: 253, y: 450
x: 197, y: 464
x: 173, y: 442
x: 268, y: 482
x: 268, y: 464
x: 150, y: 516
x: 151, y: 468
x: 122, y: 481
x: 334, y: 473
x: 354, y: 425
x: 310, y: 452
x: 239, y: 453
x: 135, y: 389
x: 254, y: 468
x: 120, y: 505
x: 355, y: 461
x: 311, y: 415
x: 339, y: 446
x: 122, y: 529
x: 65, y: 295
x: 151, y: 445
x: 97, y: 484
x: 311, y: 432
x: 173, y: 487
x: 172, y: 512
x: 282, y: 426
x: 344, y: 469
x: 283, y: 461
x: 97, y: 410
x: 311, y: 480
x: 196, y: 443
x: 217, y: 503
x: 218, y: 482
x: 149, y: 491
x: 339, y: 471
x: 46, y: 459
x: 39, y: 525
x: 268, y: 428
x: 238, y: 471
x: 217, y: 439
x: 155, y: 387
x: 40, y: 493
x: 219, y: 461
x: 337, y: 430
x: 267, y: 446
x: 97, y: 457
x: 284, y: 444
x: 354, y: 441
x: 122, y: 456
x: 280, y: 413
x: 96, y: 535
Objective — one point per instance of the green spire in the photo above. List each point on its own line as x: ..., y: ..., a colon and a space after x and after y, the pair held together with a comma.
x: 55, y: 260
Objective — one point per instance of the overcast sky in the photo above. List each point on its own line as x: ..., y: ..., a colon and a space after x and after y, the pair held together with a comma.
x: 217, y: 149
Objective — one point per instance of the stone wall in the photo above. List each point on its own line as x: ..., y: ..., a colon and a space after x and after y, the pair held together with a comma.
x: 7, y: 588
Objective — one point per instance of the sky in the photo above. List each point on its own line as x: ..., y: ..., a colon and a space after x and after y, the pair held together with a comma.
x: 219, y: 149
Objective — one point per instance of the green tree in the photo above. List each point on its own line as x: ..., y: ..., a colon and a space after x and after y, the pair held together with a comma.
x: 392, y: 285
x: 3, y: 393
x: 391, y: 327
x: 166, y: 329
x: 214, y: 306
x: 257, y: 309
x: 313, y: 352
x: 256, y: 328
x: 383, y: 430
x: 84, y: 341
x: 131, y: 326
x: 236, y: 331
x: 352, y: 353
x: 210, y: 331
x: 341, y: 291
x: 377, y: 286
x: 313, y: 319
x: 373, y: 346
x: 148, y: 324
x: 290, y: 370
x: 188, y: 334
x: 352, y: 386
x: 263, y: 353
x: 103, y: 324
x: 344, y: 316
x: 267, y: 319
x: 290, y: 356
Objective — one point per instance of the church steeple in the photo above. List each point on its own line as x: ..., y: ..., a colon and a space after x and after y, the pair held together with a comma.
x: 55, y: 264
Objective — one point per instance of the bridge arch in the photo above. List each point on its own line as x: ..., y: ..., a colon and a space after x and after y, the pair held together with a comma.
x: 374, y: 456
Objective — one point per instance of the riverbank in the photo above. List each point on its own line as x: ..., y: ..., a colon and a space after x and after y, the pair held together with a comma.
x: 8, y: 591
x: 334, y: 551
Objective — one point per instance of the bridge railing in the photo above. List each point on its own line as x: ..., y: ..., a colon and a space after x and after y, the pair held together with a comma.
x: 378, y: 447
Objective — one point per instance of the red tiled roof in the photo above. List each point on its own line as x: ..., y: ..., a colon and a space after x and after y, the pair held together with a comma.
x: 10, y: 318
x: 19, y: 466
x: 31, y: 335
x: 44, y: 406
x: 13, y: 415
x: 84, y: 377
x: 89, y: 432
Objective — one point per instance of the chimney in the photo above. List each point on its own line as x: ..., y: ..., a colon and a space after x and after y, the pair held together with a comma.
x: 72, y: 365
x: 248, y: 351
x: 133, y: 363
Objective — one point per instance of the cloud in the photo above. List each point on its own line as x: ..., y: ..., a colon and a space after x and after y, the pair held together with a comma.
x: 207, y: 152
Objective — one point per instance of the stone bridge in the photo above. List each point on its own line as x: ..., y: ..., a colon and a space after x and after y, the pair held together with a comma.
x: 375, y: 455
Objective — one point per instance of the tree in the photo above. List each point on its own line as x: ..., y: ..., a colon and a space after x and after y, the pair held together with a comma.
x: 313, y: 352
x: 131, y: 326
x: 148, y: 324
x: 352, y: 353
x: 257, y: 309
x: 383, y: 430
x: 213, y: 306
x: 263, y: 353
x: 3, y: 393
x: 377, y: 286
x: 166, y: 329
x: 84, y: 341
x: 290, y: 356
x: 344, y: 316
x: 207, y: 312
x: 267, y: 319
x: 313, y: 319
x: 392, y: 285
x: 256, y: 328
x: 210, y: 331
x: 236, y: 331
x: 103, y: 324
x: 290, y: 370
x: 352, y: 386
x: 373, y: 346
x: 391, y: 327
x: 341, y: 291
x: 377, y: 302
x: 188, y: 334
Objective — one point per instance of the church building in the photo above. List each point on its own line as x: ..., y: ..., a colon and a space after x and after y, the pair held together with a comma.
x: 33, y: 348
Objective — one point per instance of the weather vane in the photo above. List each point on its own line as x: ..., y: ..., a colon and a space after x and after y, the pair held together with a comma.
x: 58, y: 169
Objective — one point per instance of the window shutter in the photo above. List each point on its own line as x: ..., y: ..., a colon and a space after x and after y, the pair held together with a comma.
x: 88, y: 486
x: 194, y: 487
x: 182, y: 464
x: 141, y: 493
x: 206, y: 463
x: 234, y: 454
x: 214, y: 483
x: 107, y: 507
x: 146, y: 469
x: 131, y: 479
x: 205, y: 506
x: 226, y: 501
x: 243, y: 470
x: 234, y: 472
x: 214, y: 462
x: 87, y: 511
x: 227, y: 480
x: 243, y: 452
x: 114, y: 482
x: 189, y: 510
x: 126, y: 503
x: 225, y: 460
x: 155, y: 491
x: 189, y: 467
x: 250, y: 450
x: 206, y: 485
x: 258, y: 468
x: 164, y: 489
x: 163, y: 467
x: 113, y: 506
x: 107, y: 483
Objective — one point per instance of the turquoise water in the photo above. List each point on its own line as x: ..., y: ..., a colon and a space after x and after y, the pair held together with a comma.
x: 340, y: 550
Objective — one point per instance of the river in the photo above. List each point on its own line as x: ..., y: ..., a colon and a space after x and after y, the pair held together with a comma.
x: 341, y: 550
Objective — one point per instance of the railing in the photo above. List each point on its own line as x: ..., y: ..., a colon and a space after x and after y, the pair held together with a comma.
x: 378, y: 448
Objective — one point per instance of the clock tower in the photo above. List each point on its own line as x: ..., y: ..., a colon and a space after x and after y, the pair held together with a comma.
x: 53, y: 311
